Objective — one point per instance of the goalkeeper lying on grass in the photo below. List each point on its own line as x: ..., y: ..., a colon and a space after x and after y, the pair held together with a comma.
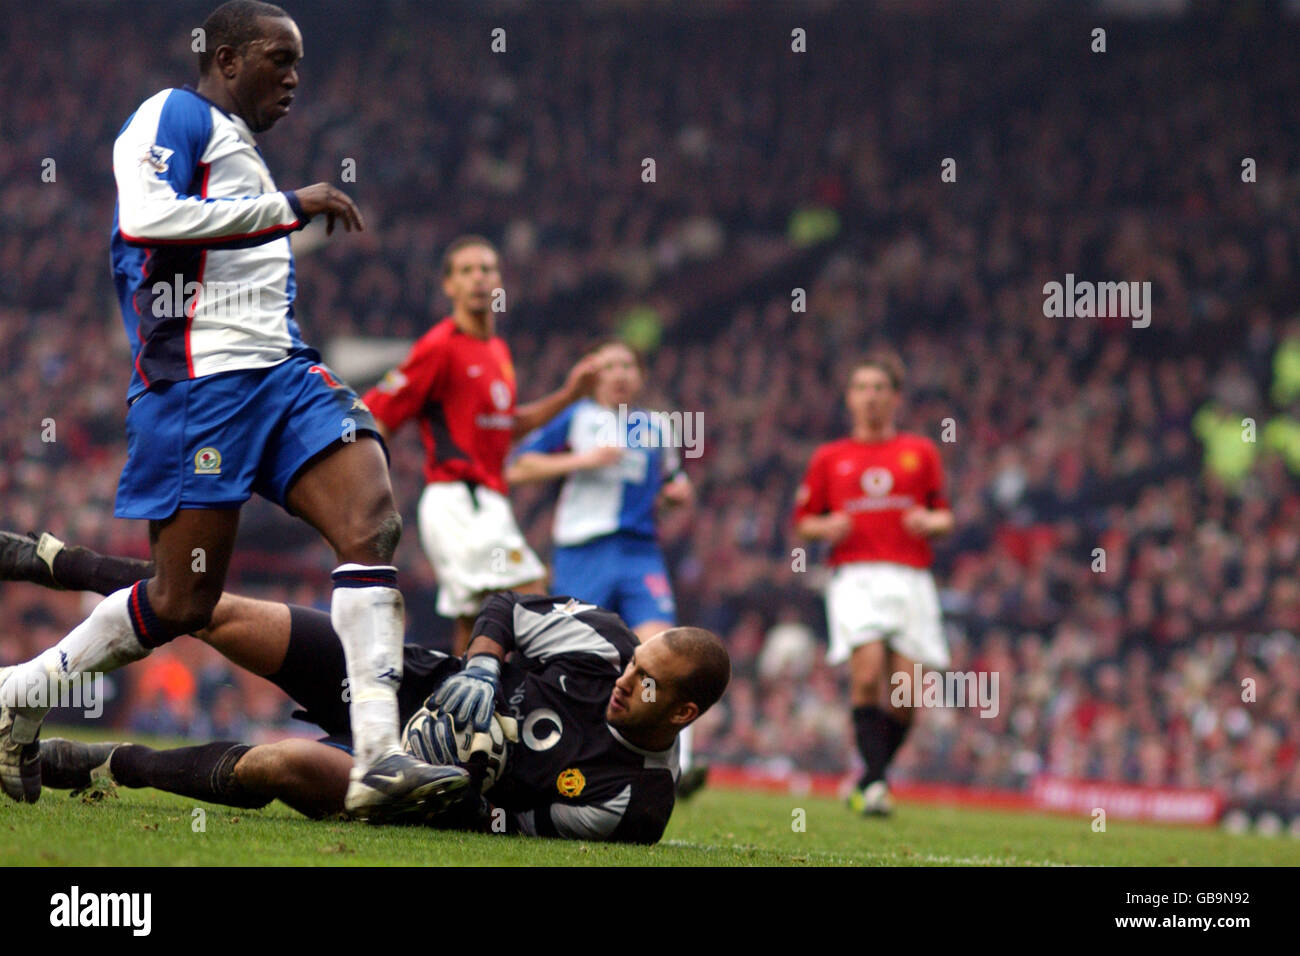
x: 573, y: 736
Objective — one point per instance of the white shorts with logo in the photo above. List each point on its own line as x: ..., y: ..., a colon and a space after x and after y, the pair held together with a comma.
x: 473, y: 549
x: 878, y: 600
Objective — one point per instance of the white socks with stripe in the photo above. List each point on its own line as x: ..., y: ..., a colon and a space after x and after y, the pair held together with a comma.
x: 102, y: 642
x: 369, y: 617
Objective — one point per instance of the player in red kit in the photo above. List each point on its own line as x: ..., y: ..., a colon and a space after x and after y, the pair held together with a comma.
x: 458, y: 382
x: 877, y: 498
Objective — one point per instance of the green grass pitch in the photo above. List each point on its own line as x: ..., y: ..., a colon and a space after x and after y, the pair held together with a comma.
x: 717, y: 828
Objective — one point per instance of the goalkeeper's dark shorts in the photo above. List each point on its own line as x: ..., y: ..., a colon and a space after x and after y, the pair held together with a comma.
x: 315, y: 673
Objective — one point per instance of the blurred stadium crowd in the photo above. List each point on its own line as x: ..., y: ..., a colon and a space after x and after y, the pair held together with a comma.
x: 1169, y: 656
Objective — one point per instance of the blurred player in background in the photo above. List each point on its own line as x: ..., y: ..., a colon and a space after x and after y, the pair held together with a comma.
x: 606, y: 550
x: 459, y: 383
x: 877, y: 498
x: 618, y: 468
x: 226, y: 401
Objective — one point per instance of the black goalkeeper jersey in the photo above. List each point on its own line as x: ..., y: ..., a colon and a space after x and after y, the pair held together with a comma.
x: 571, y: 774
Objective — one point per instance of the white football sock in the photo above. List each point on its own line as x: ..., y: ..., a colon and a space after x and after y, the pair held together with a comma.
x: 370, y: 622
x: 102, y: 642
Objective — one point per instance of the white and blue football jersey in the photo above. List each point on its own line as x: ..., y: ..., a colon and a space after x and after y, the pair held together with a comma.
x: 200, y: 248
x: 619, y: 497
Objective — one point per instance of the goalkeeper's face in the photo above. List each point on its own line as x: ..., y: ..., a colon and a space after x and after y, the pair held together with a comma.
x: 647, y: 697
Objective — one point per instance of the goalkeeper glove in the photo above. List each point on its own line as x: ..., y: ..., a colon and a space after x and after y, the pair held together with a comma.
x: 432, y: 738
x: 471, y: 695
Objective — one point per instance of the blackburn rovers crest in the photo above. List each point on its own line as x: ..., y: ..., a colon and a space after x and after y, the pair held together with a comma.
x: 207, y: 461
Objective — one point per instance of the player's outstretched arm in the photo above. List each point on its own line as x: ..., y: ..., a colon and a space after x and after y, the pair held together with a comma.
x: 156, y: 214
x: 532, y: 466
x: 162, y: 184
x: 581, y: 379
x: 155, y: 211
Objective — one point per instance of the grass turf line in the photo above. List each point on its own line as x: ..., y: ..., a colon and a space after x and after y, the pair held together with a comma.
x: 717, y: 828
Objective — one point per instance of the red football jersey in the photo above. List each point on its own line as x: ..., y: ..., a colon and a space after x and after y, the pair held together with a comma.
x: 874, y: 483
x: 462, y: 390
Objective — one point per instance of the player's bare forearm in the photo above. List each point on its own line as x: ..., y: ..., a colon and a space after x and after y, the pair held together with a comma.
x: 829, y: 527
x: 538, y: 413
x: 494, y: 630
x: 536, y: 466
x: 809, y: 528
x: 485, y: 645
x: 580, y: 380
x: 929, y: 522
x: 942, y: 523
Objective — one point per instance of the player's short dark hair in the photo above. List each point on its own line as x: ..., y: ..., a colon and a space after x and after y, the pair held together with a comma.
x: 885, y: 360
x: 234, y: 24
x: 463, y: 242
x: 615, y: 340
x: 710, y: 664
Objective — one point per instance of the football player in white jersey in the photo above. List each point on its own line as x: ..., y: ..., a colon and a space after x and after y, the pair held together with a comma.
x: 226, y: 401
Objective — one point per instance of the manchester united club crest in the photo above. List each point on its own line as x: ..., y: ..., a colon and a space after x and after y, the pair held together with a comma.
x: 207, y: 461
x: 877, y: 481
x: 570, y: 782
x: 909, y: 460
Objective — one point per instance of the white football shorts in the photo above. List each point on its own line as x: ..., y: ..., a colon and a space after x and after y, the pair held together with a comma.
x: 879, y: 600
x: 474, y: 545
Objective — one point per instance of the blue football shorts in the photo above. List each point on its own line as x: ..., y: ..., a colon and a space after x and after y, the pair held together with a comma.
x: 213, y: 442
x: 622, y: 572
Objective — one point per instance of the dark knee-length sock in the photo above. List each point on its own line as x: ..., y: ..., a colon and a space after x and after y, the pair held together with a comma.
x: 870, y: 728
x: 205, y: 772
x: 895, y: 734
x: 81, y: 569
